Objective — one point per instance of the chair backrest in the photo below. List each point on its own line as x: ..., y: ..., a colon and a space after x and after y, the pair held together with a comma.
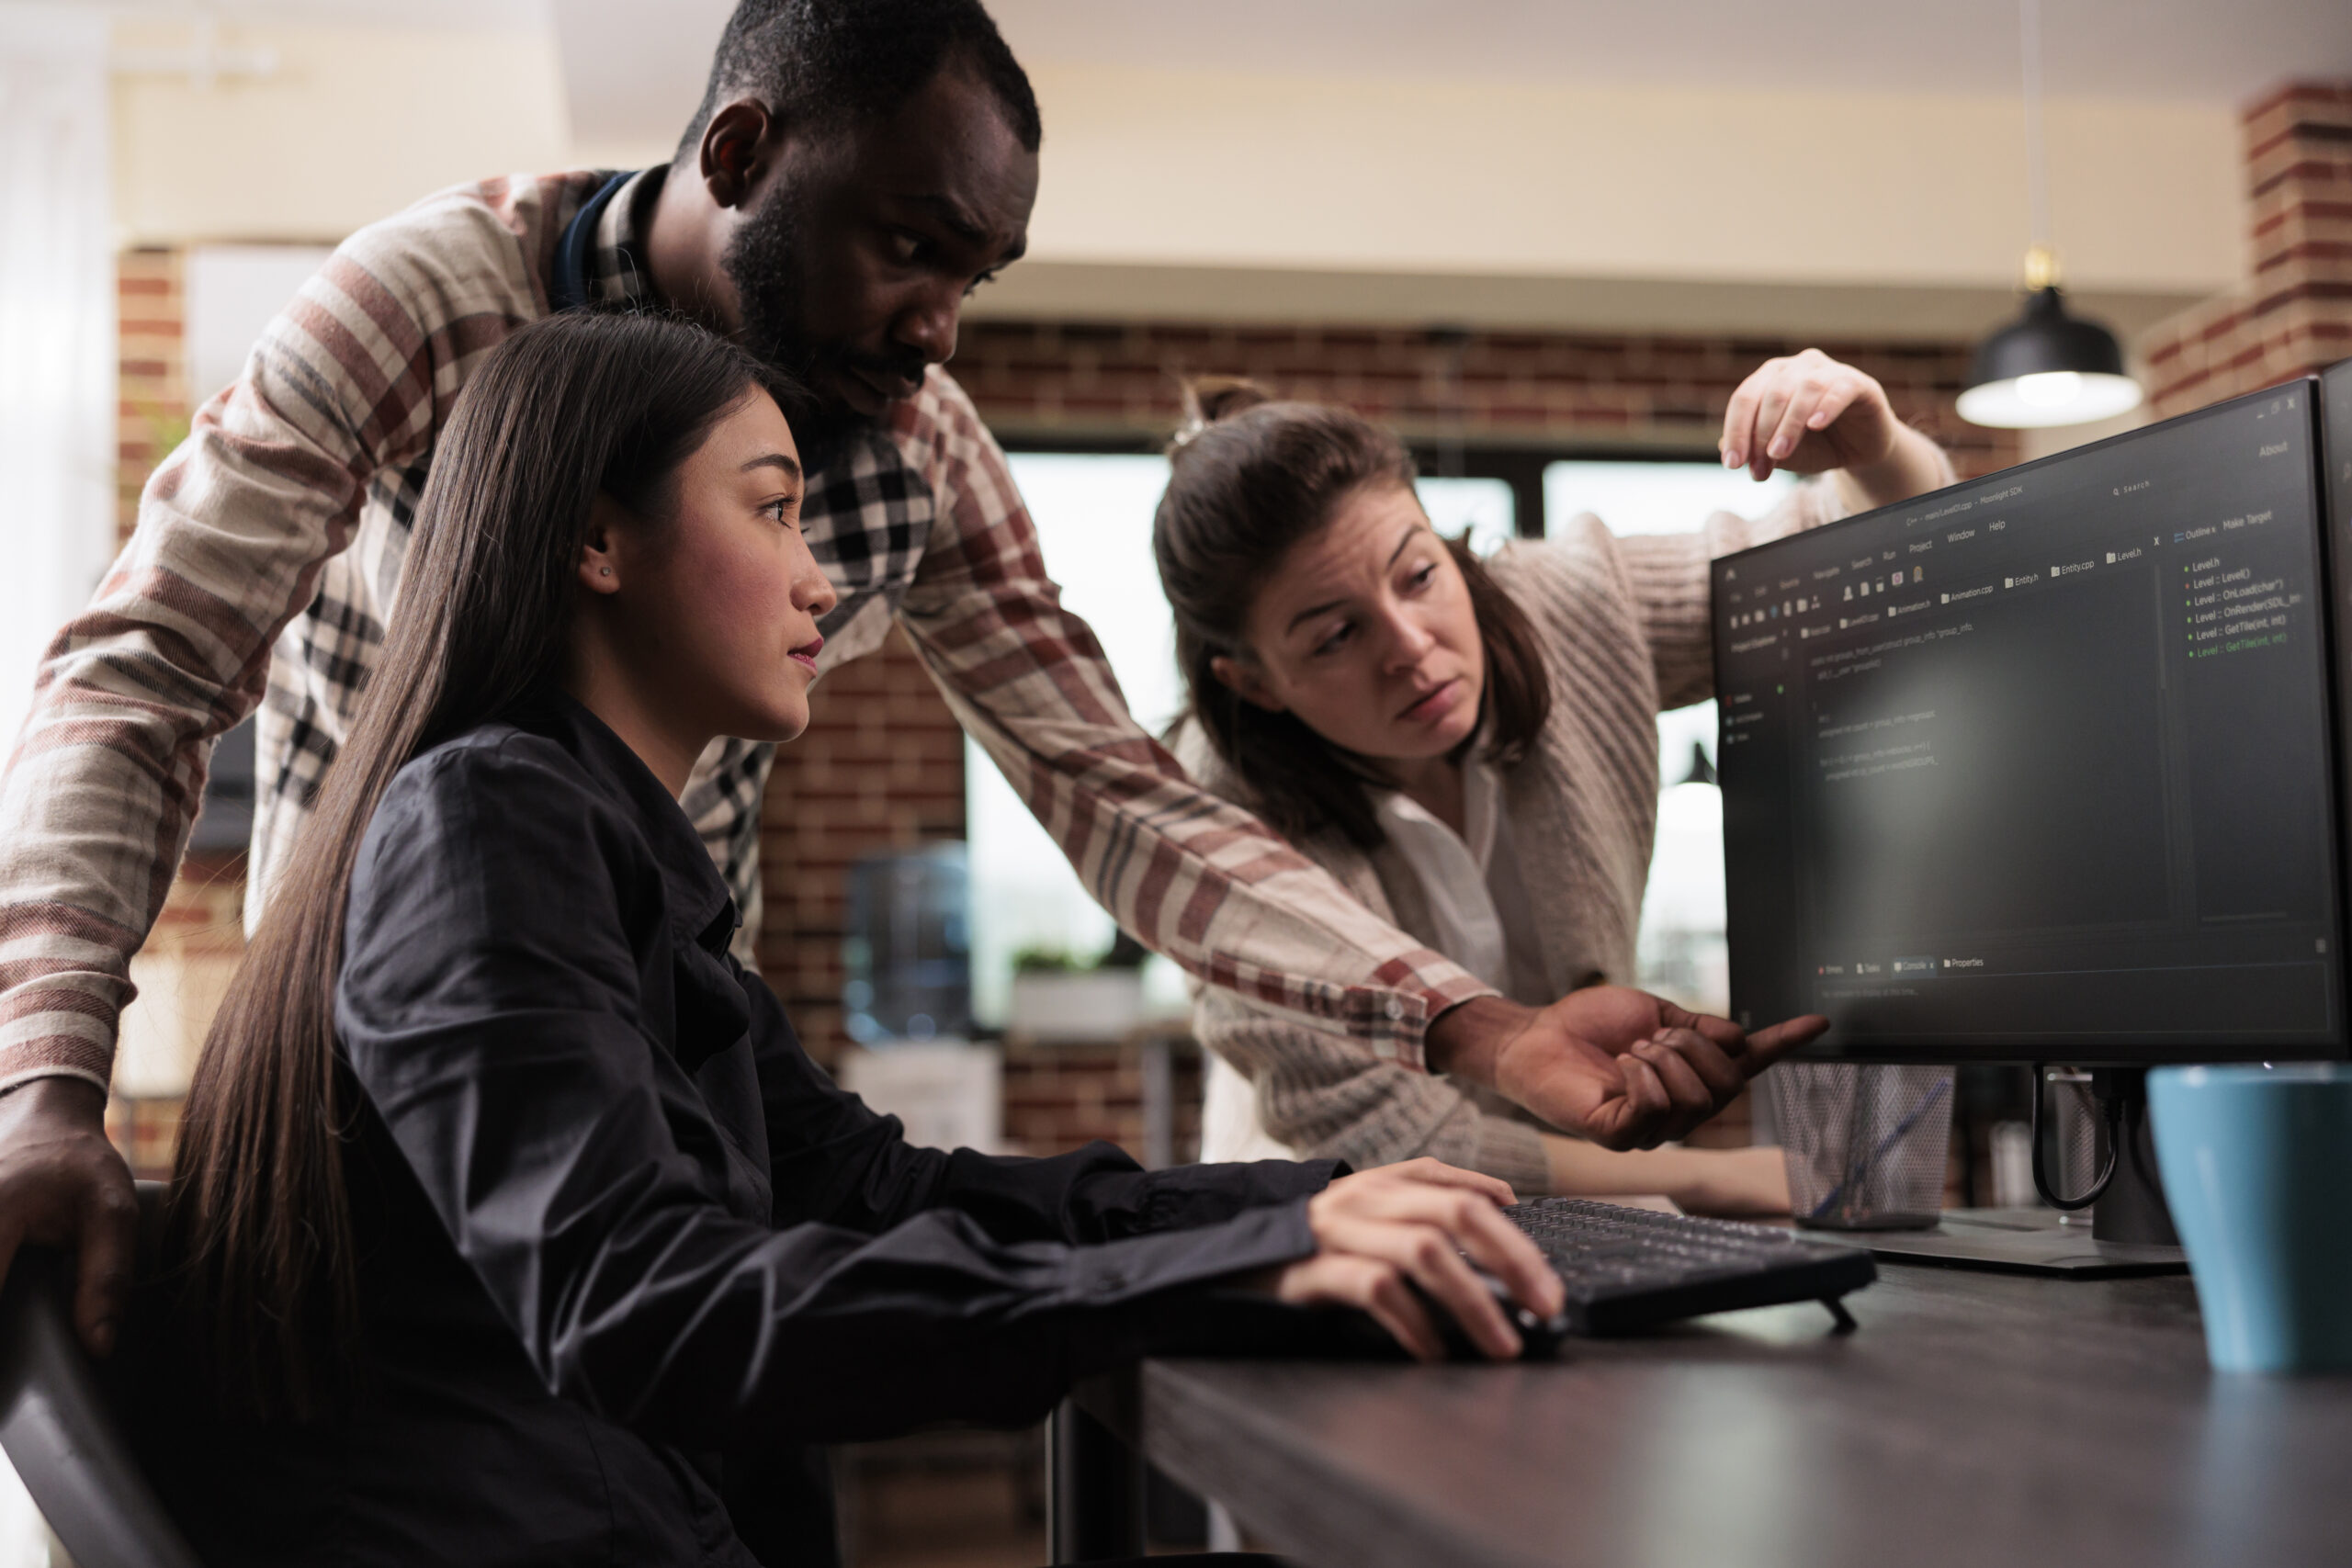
x: 61, y: 1433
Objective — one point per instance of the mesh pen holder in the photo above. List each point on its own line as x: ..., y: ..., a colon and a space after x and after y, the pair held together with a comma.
x: 1865, y: 1145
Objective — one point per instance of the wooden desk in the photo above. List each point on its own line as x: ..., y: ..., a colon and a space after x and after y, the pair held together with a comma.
x: 1974, y: 1418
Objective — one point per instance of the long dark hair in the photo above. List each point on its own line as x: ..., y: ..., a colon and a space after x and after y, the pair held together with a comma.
x: 1251, y: 479
x: 259, y: 1219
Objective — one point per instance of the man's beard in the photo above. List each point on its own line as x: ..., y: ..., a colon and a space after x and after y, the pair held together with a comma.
x: 764, y: 262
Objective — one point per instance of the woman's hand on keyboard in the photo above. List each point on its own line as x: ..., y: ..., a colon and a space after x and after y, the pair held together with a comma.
x: 1382, y: 1232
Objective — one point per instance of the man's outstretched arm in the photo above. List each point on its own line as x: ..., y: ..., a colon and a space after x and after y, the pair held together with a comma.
x: 1207, y: 885
x: 105, y: 780
x: 1195, y: 878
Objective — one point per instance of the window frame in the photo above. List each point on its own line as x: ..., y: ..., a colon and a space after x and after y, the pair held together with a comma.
x: 1520, y: 466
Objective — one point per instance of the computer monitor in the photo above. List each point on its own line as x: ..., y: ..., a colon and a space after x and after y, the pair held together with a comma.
x: 2047, y: 766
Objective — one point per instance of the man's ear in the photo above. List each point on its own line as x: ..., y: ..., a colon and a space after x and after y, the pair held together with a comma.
x: 1247, y: 682
x: 600, y: 563
x: 737, y: 146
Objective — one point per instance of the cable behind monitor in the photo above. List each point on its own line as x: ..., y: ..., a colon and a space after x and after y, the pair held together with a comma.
x: 2110, y: 1109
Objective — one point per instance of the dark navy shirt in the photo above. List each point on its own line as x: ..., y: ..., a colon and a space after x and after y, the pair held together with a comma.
x: 624, y: 1243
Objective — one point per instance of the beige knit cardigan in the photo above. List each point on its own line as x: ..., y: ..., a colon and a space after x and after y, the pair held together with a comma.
x: 1625, y: 631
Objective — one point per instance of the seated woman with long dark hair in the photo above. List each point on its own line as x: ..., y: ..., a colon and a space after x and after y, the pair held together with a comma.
x: 510, y: 1222
x: 1470, y: 748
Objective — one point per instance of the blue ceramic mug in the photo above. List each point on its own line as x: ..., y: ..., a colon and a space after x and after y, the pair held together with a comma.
x: 2257, y: 1170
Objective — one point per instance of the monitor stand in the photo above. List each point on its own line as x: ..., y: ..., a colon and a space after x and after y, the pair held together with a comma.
x: 2131, y: 1230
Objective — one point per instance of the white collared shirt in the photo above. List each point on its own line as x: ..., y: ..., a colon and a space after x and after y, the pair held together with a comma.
x: 1477, y: 900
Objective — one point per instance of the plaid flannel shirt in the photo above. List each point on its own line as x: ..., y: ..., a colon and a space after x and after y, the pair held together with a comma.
x: 269, y: 547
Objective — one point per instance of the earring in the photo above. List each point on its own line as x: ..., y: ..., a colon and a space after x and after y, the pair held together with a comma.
x: 606, y: 570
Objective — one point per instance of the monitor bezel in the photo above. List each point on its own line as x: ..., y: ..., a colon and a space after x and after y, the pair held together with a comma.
x: 2335, y: 578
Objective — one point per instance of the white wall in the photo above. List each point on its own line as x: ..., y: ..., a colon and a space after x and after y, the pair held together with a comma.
x: 1189, y: 194
x: 1432, y: 176
x: 57, y: 395
x: 1192, y: 191
x: 57, y: 333
x: 231, y: 293
x: 353, y: 124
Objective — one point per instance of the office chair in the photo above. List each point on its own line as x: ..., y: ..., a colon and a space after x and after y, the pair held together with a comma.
x: 61, y: 1433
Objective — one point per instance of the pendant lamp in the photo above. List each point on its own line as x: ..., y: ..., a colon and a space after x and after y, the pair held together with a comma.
x: 2047, y: 368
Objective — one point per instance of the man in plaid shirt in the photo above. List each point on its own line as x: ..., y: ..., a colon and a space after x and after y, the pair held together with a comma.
x: 856, y: 168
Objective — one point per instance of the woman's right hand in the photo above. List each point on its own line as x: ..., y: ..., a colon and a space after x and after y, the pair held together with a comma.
x: 1413, y: 1222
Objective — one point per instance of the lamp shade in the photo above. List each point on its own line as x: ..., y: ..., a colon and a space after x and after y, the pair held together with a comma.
x: 2048, y: 367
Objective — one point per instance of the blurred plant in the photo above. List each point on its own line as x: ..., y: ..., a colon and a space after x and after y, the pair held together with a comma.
x: 166, y: 427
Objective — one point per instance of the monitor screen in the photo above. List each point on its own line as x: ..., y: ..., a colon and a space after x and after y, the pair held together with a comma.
x: 2039, y: 767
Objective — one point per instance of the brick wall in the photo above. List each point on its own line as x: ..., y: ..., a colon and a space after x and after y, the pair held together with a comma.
x: 879, y: 769
x: 202, y: 914
x: 1521, y: 389
x: 1060, y: 1097
x: 151, y: 413
x: 2295, y: 316
x: 181, y: 973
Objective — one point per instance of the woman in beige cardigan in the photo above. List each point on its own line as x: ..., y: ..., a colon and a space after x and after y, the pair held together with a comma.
x: 1469, y: 747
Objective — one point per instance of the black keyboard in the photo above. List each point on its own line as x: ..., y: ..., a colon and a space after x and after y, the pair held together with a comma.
x: 1628, y: 1269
